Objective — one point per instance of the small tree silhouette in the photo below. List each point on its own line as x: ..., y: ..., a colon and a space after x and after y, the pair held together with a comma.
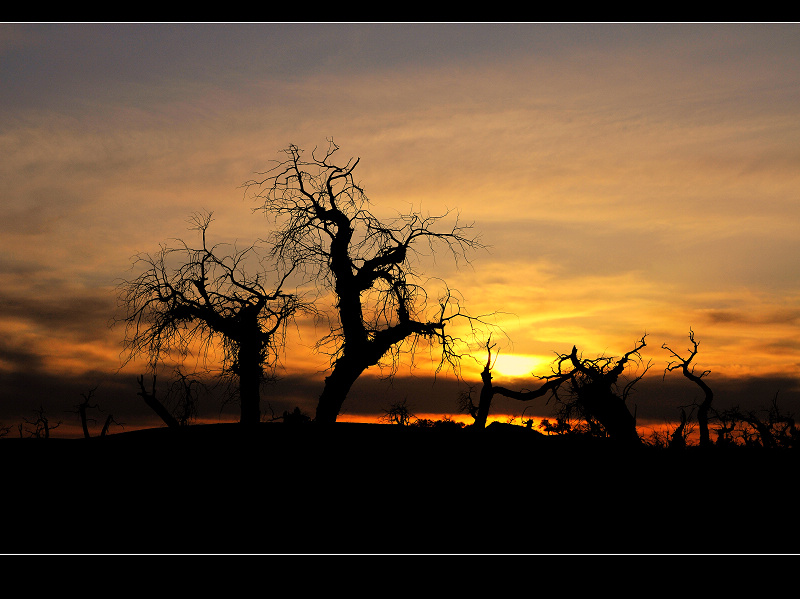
x: 41, y: 425
x: 209, y: 297
x: 769, y: 428
x: 296, y: 416
x: 82, y: 410
x: 325, y: 227
x: 398, y: 413
x: 689, y: 372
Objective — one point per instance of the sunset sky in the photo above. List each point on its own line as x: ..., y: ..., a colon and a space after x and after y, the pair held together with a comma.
x: 626, y: 178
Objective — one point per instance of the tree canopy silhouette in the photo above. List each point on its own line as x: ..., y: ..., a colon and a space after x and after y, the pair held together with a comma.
x: 382, y: 309
x: 187, y: 299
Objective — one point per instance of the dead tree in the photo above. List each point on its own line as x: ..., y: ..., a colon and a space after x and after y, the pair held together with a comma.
x: 593, y: 390
x: 685, y: 364
x: 82, y: 411
x: 489, y: 390
x: 774, y: 430
x: 155, y: 404
x: 368, y: 265
x: 209, y: 298
x: 41, y: 425
x: 678, y: 438
x: 398, y: 413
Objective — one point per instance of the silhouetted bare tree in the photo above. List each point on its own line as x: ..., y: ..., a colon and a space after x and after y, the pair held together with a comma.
x: 398, y: 413
x: 689, y: 372
x: 594, y: 392
x: 769, y: 428
x: 83, y: 407
x: 324, y: 226
x: 481, y: 412
x: 82, y: 410
x: 155, y: 404
x: 185, y: 392
x: 41, y: 425
x: 208, y: 297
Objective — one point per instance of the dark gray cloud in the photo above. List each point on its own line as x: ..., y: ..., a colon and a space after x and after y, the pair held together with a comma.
x: 655, y: 400
x: 82, y: 314
x: 52, y: 63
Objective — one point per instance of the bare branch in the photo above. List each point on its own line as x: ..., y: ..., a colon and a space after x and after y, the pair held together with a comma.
x: 196, y: 299
x: 325, y: 229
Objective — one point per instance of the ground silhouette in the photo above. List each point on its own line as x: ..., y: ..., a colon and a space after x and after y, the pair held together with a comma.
x: 380, y: 488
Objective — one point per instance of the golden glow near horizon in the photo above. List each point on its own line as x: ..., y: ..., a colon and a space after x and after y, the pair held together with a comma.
x: 626, y: 179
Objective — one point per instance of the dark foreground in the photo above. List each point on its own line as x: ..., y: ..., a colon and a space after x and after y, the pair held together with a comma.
x: 361, y: 488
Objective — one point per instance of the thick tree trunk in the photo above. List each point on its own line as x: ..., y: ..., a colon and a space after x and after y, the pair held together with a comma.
x: 610, y: 411
x: 250, y: 372
x: 485, y: 400
x: 155, y: 405
x: 337, y: 385
x: 702, y: 412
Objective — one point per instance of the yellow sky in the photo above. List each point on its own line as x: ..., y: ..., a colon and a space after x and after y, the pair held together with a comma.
x: 628, y: 179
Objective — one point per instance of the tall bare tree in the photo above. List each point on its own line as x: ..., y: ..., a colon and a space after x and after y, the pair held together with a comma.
x: 188, y: 299
x: 688, y: 369
x: 371, y: 267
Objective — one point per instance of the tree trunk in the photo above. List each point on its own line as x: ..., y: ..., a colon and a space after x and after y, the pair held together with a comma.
x: 610, y: 411
x: 155, y: 405
x: 702, y: 413
x: 250, y: 373
x: 337, y: 385
x: 84, y: 423
x: 485, y: 400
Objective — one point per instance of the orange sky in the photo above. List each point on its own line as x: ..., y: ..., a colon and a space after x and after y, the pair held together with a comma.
x: 628, y: 179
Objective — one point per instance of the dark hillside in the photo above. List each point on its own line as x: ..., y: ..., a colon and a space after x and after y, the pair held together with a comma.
x: 364, y: 488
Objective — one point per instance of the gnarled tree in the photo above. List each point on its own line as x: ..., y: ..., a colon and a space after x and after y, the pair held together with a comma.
x: 488, y: 390
x: 370, y: 266
x: 207, y: 297
x: 685, y: 365
x: 595, y: 391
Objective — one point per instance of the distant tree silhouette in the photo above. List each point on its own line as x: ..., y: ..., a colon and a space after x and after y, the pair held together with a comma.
x: 41, y: 425
x: 184, y: 392
x: 209, y: 297
x: 398, y: 413
x: 769, y: 428
x: 82, y: 410
x: 593, y: 392
x: 442, y: 423
x: 296, y: 416
x: 488, y: 390
x: 325, y: 227
x: 689, y: 372
x: 155, y: 404
x: 678, y: 438
x: 559, y: 427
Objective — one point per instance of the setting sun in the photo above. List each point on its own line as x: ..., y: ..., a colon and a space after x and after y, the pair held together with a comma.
x: 520, y: 366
